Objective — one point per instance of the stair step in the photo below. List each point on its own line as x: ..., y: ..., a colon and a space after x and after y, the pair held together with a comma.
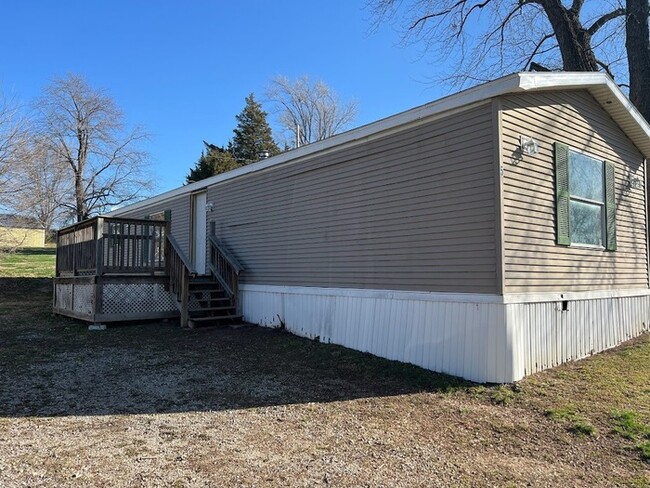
x: 193, y: 322
x: 195, y: 284
x: 206, y: 290
x: 218, y: 317
x: 211, y: 309
x: 218, y: 299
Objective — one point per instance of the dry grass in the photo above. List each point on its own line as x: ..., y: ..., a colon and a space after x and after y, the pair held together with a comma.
x: 154, y: 405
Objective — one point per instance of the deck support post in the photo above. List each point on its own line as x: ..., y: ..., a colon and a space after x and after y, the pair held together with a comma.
x: 99, y: 295
x: 185, y: 299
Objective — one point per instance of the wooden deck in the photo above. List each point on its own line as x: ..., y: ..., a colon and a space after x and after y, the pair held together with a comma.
x: 113, y: 270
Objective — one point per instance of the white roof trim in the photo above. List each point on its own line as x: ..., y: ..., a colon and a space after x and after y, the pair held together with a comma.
x: 616, y: 103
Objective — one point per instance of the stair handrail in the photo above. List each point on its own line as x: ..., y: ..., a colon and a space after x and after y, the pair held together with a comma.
x: 225, y: 268
x: 179, y: 270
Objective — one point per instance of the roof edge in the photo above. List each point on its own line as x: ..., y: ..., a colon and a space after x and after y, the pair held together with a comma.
x: 513, y: 83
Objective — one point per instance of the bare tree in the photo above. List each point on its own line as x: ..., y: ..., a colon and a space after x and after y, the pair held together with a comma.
x: 44, y: 185
x: 576, y: 35
x: 309, y: 111
x: 84, y: 128
x: 13, y: 148
x: 13, y: 143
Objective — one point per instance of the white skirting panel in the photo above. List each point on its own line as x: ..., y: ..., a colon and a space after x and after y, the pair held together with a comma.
x: 544, y: 335
x: 463, y: 335
x: 477, y: 337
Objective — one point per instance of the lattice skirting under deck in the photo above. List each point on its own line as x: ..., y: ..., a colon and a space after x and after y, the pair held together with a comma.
x: 113, y: 298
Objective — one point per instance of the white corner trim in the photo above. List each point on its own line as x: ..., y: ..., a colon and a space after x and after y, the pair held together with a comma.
x: 512, y: 298
x: 509, y: 298
x: 370, y: 293
x: 538, y: 80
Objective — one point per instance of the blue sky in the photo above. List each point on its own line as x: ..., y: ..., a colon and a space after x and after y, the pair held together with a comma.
x: 183, y: 68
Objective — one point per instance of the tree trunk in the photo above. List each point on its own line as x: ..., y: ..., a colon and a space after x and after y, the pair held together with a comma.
x: 82, y: 211
x: 572, y: 38
x: 637, y: 43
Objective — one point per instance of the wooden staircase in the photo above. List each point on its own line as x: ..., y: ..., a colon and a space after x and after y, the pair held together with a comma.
x: 210, y: 304
x: 204, y: 300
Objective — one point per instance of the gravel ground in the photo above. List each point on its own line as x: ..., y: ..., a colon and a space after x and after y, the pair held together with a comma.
x: 154, y: 405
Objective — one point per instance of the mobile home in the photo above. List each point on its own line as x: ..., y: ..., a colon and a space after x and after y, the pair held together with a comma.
x: 490, y: 234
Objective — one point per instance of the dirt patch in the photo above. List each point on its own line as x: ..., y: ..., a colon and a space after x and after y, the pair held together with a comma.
x: 154, y: 405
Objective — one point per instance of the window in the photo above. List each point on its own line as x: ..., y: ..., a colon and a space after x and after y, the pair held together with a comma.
x: 585, y: 200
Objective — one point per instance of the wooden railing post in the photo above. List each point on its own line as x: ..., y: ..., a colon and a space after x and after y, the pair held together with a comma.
x: 151, y: 247
x: 74, y: 252
x: 179, y: 270
x: 57, y: 262
x: 165, y: 238
x: 99, y: 246
x: 235, y: 292
x: 99, y: 267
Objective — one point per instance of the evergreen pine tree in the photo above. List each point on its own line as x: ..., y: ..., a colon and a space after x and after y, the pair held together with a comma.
x: 214, y: 160
x: 253, y: 135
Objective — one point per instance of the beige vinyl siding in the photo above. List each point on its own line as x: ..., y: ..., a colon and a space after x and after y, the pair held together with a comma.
x: 413, y: 210
x: 533, y: 260
x: 180, y: 208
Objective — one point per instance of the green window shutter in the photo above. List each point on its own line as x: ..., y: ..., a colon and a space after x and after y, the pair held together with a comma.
x: 168, y: 215
x: 610, y: 205
x: 562, y: 193
x: 147, y: 217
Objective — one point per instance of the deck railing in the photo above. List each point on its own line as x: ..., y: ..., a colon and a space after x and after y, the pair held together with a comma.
x: 110, y: 245
x: 133, y: 246
x: 225, y: 268
x: 178, y: 267
x: 76, y: 249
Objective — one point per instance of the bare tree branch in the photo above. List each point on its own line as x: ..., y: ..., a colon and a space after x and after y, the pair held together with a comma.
x: 601, y: 21
x: 466, y: 16
x: 537, y: 48
x: 509, y: 34
x: 577, y: 6
x: 441, y: 13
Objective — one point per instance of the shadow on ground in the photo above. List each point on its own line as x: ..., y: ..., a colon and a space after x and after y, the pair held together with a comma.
x: 38, y: 251
x: 53, y: 366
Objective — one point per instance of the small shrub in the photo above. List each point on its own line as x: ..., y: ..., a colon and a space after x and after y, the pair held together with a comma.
x: 640, y: 482
x: 644, y: 447
x: 567, y: 412
x: 628, y: 425
x: 576, y: 423
x: 502, y: 395
x: 582, y: 427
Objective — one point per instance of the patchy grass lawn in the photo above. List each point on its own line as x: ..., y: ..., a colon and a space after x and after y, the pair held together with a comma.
x: 155, y: 405
x: 29, y: 263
